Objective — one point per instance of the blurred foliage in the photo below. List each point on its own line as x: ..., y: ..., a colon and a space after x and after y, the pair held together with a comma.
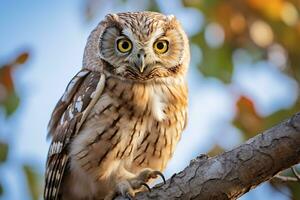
x: 1, y: 189
x: 3, y: 151
x: 247, y: 119
x: 9, y: 102
x: 216, y: 150
x: 270, y: 30
x: 254, y: 25
x: 32, y: 177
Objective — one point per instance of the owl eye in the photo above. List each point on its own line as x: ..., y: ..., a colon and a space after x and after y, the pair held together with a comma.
x: 124, y: 45
x: 161, y: 46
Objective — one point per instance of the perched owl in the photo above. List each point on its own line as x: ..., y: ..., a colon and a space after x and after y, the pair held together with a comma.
x: 120, y: 118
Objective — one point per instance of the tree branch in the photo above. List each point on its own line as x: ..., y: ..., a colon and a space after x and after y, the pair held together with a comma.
x: 233, y: 173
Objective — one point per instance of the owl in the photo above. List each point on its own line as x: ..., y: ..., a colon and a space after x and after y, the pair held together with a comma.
x: 120, y: 118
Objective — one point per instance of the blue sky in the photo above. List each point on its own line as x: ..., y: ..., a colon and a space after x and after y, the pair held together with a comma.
x: 55, y: 34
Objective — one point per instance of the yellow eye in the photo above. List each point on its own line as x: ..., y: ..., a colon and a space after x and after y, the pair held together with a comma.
x: 161, y: 46
x: 124, y: 45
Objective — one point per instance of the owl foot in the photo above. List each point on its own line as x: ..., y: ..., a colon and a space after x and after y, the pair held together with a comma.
x: 128, y: 188
x: 148, y: 174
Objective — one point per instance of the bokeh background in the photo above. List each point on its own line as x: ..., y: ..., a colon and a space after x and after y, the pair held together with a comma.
x: 243, y: 78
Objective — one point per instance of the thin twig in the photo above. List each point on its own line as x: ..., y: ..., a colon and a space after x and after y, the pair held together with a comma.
x: 285, y: 178
x: 297, y: 175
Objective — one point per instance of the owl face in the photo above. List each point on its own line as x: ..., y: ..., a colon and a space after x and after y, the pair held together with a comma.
x: 143, y: 46
x: 139, y: 46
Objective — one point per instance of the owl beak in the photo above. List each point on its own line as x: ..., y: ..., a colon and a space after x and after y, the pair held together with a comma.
x: 140, y: 63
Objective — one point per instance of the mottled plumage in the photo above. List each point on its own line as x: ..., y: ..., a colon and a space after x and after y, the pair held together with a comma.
x: 122, y: 115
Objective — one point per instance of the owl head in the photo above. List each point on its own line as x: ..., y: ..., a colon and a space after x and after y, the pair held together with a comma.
x: 138, y: 46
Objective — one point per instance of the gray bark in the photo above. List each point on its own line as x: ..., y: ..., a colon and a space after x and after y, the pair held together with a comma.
x: 233, y: 173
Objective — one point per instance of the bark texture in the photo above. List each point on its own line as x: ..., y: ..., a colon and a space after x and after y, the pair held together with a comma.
x: 233, y: 173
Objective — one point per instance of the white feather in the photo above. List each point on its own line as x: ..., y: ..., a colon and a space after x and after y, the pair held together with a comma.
x: 157, y: 103
x: 79, y: 104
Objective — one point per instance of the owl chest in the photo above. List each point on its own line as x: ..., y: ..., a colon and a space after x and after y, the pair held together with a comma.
x: 152, y: 120
x: 138, y: 109
x: 132, y: 124
x: 137, y: 100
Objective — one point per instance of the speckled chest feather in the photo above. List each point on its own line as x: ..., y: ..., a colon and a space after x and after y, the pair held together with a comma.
x: 135, y: 125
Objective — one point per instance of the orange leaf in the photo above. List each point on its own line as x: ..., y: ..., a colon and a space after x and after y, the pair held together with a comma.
x: 22, y: 58
x: 270, y: 8
x: 245, y: 104
x: 6, y: 78
x: 247, y: 118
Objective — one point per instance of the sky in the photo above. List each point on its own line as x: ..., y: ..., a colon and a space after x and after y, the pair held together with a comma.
x: 55, y: 34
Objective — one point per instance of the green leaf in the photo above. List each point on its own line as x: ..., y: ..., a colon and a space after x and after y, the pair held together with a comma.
x: 3, y: 151
x: 294, y: 187
x: 216, y: 62
x: 153, y: 6
x: 201, y: 5
x: 1, y: 189
x: 281, y: 115
x: 33, y: 181
x: 11, y: 104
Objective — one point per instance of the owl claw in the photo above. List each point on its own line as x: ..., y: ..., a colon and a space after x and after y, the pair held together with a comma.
x: 148, y: 174
x: 147, y: 186
x: 128, y: 187
x: 161, y: 175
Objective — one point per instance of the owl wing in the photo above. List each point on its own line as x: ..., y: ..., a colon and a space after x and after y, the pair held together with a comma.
x: 70, y: 112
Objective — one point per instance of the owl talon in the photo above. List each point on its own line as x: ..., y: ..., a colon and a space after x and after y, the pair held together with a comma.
x: 148, y: 174
x: 158, y: 173
x: 147, y: 186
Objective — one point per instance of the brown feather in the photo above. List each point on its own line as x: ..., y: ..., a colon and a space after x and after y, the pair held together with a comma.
x: 64, y: 126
